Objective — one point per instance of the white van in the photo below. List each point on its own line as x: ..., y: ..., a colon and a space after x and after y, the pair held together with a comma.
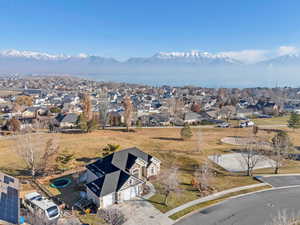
x: 36, y: 203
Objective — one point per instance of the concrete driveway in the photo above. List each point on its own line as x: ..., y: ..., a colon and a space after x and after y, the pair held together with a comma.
x: 253, y: 209
x: 281, y: 181
x: 141, y: 212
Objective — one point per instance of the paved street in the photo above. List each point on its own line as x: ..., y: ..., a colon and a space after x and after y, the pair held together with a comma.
x: 281, y: 181
x: 254, y: 209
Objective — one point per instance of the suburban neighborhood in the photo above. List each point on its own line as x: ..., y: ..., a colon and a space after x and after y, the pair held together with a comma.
x: 76, y: 151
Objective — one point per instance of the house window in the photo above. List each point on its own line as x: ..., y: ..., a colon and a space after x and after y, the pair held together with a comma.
x: 152, y: 170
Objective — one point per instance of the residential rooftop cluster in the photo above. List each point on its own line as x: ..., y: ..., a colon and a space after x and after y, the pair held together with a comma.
x: 39, y: 101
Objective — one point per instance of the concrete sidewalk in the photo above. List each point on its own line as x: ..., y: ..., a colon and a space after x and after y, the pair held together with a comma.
x: 141, y: 212
x: 152, y: 191
x: 211, y: 197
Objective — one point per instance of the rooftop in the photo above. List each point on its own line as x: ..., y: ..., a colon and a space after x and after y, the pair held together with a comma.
x: 9, y: 199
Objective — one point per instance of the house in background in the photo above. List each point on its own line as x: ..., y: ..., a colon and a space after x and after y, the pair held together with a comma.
x: 119, y: 176
x: 67, y: 120
x: 9, y: 200
x: 34, y: 112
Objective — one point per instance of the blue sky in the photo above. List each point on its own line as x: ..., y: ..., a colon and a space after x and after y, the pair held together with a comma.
x: 123, y: 28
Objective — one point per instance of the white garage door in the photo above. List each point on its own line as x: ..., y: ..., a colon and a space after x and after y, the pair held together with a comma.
x: 107, y: 200
x: 130, y: 193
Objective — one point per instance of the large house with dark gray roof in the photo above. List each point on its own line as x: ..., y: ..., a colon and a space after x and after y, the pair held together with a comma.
x: 119, y: 176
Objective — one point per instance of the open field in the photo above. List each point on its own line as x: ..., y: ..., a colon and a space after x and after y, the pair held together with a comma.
x: 9, y: 92
x: 282, y: 120
x: 167, y: 145
x: 88, y: 146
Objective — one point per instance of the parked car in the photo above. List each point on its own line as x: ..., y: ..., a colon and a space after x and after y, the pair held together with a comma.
x: 247, y: 123
x: 36, y: 203
x: 223, y: 125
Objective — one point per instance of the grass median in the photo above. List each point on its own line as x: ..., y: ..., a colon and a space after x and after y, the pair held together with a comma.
x: 193, y: 208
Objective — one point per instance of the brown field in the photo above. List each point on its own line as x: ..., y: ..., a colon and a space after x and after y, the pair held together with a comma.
x: 8, y: 92
x: 272, y: 121
x: 164, y: 143
x: 153, y: 140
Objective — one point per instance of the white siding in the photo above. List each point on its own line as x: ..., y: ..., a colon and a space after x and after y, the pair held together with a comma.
x: 107, y: 200
x: 129, y: 193
x: 153, y: 170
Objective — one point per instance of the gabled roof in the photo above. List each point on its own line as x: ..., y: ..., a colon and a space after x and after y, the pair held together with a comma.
x: 112, y: 170
x: 120, y: 159
x: 111, y: 182
x: 70, y: 118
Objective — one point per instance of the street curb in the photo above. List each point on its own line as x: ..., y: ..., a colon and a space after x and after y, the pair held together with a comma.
x: 278, y: 175
x: 214, y: 196
x: 237, y: 196
x: 218, y: 203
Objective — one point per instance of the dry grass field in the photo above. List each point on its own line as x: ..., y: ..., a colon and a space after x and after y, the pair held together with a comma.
x: 272, y: 121
x: 153, y: 140
x: 166, y: 144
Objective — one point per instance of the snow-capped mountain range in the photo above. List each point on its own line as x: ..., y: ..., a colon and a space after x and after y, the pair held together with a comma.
x: 192, y: 57
x: 33, y: 55
x: 200, y: 58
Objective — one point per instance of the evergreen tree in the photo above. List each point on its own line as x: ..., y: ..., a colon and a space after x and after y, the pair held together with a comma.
x: 64, y: 160
x: 82, y: 122
x: 109, y: 148
x: 186, y: 132
x: 92, y: 125
x: 294, y: 121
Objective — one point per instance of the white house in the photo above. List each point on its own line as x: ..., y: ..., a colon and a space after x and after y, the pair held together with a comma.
x: 120, y: 176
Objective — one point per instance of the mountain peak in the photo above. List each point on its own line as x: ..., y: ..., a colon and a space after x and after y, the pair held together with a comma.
x: 190, y: 54
x: 30, y: 54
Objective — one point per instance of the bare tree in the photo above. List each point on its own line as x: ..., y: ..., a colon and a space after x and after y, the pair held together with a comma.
x: 24, y: 100
x: 112, y: 216
x: 50, y: 151
x: 285, y: 218
x: 203, y: 179
x: 128, y: 111
x: 87, y: 106
x: 281, y: 145
x: 169, y: 183
x: 14, y: 125
x: 227, y: 112
x: 251, y: 156
x: 36, y: 151
x: 103, y: 109
x: 176, y: 107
